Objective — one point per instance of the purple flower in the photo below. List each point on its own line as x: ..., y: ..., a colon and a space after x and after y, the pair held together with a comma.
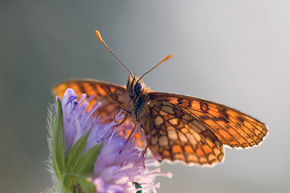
x: 119, y: 165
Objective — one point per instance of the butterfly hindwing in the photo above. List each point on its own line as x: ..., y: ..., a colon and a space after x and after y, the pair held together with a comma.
x: 176, y: 135
x: 231, y: 127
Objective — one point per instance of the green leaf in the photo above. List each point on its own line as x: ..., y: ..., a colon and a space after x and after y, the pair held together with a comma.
x: 76, y: 152
x: 57, y: 144
x: 85, y: 164
x: 77, y: 183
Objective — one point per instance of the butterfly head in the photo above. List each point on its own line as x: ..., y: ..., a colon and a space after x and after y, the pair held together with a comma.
x: 134, y: 86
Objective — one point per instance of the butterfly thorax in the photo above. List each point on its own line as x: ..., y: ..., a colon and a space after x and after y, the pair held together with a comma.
x: 138, y: 99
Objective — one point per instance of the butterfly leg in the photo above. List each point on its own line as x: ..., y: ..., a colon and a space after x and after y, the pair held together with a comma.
x: 145, y: 150
x: 126, y: 110
x: 133, y: 130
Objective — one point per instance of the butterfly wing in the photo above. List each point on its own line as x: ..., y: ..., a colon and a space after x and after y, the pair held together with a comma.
x: 177, y: 135
x: 230, y: 126
x: 97, y: 91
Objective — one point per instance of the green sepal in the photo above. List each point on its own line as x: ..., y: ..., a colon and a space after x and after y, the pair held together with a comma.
x: 58, y: 144
x: 85, y: 165
x: 77, y: 183
x: 76, y: 152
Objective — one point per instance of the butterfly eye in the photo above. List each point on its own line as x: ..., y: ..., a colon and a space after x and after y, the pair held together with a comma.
x: 138, y: 88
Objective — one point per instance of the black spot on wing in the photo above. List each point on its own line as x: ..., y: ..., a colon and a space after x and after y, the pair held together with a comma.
x: 204, y: 107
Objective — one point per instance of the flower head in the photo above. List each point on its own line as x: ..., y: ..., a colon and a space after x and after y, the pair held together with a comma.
x: 97, y: 155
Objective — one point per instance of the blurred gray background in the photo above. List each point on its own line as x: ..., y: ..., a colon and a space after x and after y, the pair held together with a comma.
x: 235, y: 52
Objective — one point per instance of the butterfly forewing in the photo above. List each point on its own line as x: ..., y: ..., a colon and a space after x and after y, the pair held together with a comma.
x: 177, y: 135
x: 230, y: 126
x: 98, y: 91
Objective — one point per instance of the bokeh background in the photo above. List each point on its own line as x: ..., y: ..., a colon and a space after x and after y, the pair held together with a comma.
x: 235, y: 52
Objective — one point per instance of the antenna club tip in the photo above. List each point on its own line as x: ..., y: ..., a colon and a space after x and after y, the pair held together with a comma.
x: 99, y: 35
x: 167, y: 58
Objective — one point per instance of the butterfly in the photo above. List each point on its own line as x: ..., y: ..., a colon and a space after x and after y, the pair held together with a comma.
x: 184, y: 128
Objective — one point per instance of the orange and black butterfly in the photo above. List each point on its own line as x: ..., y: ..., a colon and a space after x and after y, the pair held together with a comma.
x: 181, y: 127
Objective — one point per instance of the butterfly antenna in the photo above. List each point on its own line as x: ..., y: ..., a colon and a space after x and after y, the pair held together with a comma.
x: 164, y: 60
x: 101, y: 40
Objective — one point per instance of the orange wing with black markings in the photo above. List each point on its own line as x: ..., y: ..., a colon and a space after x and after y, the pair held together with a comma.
x: 182, y: 128
x: 230, y: 126
x: 177, y: 135
x: 96, y: 91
